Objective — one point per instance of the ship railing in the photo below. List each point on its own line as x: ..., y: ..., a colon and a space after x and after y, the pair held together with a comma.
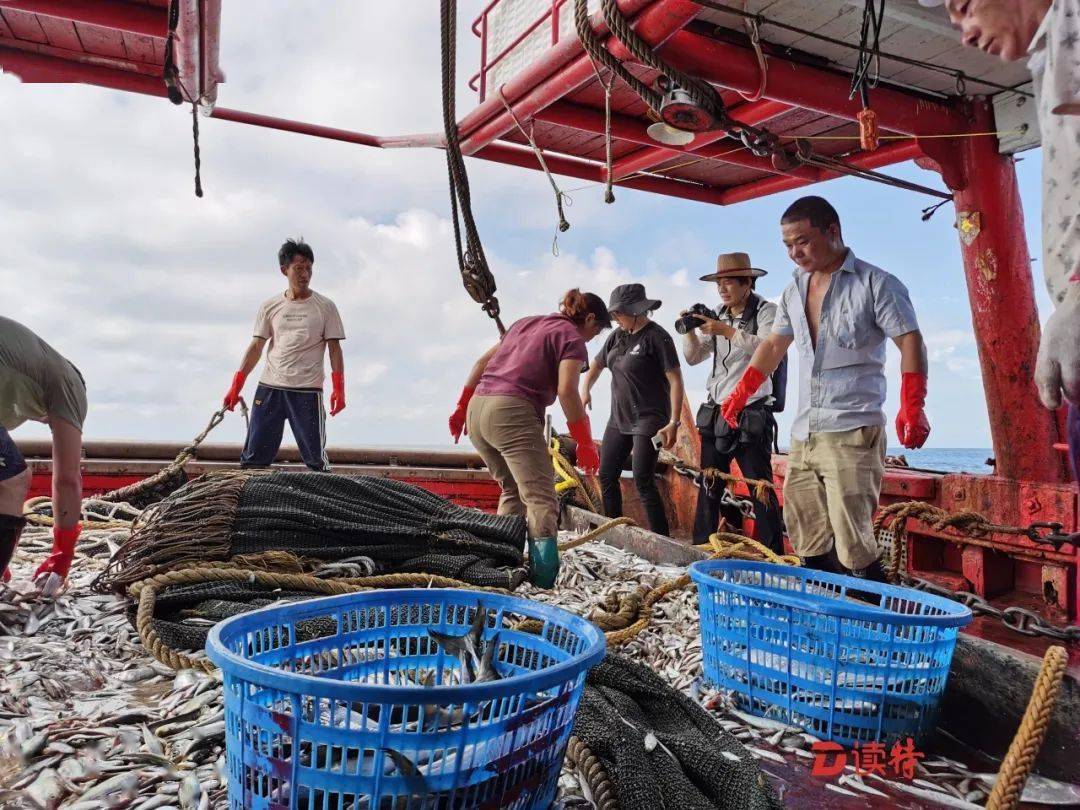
x: 513, y: 33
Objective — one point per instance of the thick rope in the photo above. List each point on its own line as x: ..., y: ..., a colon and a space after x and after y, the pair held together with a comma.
x: 758, y: 487
x: 1020, y: 758
x: 146, y: 592
x: 588, y: 537
x: 568, y: 476
x: 476, y: 276
x: 599, y: 54
x: 176, y: 465
x: 893, y: 519
x: 91, y: 508
x: 624, y: 616
x: 703, y: 94
x: 585, y: 762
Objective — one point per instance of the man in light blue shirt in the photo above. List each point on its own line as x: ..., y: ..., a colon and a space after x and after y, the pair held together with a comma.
x: 839, y: 311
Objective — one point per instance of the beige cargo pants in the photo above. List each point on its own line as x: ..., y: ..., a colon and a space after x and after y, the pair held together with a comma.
x: 831, y: 491
x: 510, y: 439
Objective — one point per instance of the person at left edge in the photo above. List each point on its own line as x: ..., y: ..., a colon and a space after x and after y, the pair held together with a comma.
x: 646, y: 399
x: 501, y: 409
x: 37, y: 383
x: 301, y: 326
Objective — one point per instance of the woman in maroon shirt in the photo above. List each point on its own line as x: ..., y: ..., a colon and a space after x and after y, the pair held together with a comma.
x: 502, y: 410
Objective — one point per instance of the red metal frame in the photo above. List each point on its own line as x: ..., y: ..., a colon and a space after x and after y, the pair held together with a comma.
x: 751, y: 113
x: 564, y: 69
x: 148, y: 21
x: 811, y: 88
x: 626, y: 128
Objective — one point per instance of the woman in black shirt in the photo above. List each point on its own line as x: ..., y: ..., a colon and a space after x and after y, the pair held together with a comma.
x: 646, y: 396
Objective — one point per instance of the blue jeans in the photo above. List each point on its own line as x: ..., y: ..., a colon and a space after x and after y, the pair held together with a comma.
x: 303, y: 408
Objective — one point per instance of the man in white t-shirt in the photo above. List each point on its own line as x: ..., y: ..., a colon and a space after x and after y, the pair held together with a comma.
x: 1048, y: 33
x: 301, y: 326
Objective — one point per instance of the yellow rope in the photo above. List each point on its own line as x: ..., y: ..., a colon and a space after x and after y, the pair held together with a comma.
x: 568, y: 476
x: 1020, y: 758
x: 590, y: 536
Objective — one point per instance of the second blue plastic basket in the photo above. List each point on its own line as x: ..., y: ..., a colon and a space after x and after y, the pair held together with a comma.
x: 789, y: 645
x: 348, y: 703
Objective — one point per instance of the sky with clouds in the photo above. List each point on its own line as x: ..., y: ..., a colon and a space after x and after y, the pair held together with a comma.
x: 152, y: 292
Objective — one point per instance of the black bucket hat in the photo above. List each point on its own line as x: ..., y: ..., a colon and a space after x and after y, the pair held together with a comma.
x: 629, y: 299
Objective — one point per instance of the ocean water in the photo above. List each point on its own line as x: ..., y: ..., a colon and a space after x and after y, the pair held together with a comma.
x: 947, y: 459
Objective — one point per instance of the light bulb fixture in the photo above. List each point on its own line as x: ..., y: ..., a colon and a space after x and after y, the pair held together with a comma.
x: 669, y: 135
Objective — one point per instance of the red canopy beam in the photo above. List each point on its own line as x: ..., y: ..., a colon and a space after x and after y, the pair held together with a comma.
x: 586, y: 170
x: 81, y: 57
x: 36, y: 67
x: 626, y: 128
x: 146, y: 21
x: 751, y: 113
x: 331, y: 133
x: 735, y: 67
x: 895, y: 152
x: 537, y: 86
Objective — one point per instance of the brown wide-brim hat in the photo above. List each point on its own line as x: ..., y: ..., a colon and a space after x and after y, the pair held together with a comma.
x: 734, y: 265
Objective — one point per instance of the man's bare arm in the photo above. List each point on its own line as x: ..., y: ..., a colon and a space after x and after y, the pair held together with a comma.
x: 912, y: 352
x: 768, y: 355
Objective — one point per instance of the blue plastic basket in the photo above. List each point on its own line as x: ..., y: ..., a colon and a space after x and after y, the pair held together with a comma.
x: 790, y: 645
x: 346, y: 703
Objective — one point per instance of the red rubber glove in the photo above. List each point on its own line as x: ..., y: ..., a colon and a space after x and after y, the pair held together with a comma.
x: 232, y: 396
x: 912, y: 426
x: 588, y: 459
x: 457, y: 418
x: 734, y: 403
x: 59, y: 562
x: 337, y: 398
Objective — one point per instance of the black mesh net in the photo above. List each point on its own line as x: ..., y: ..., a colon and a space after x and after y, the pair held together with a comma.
x: 318, y: 517
x: 660, y: 748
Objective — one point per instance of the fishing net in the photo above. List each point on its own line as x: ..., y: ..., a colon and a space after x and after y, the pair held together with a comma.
x: 660, y: 748
x: 298, y: 522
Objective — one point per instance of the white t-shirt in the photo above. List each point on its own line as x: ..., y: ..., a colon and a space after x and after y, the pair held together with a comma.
x: 297, y: 331
x: 1055, y: 69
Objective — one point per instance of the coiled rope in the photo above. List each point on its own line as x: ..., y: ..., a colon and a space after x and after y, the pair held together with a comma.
x: 592, y: 771
x: 146, y: 591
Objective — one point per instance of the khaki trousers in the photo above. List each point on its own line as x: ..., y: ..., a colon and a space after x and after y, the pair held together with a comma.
x: 510, y: 440
x: 831, y: 491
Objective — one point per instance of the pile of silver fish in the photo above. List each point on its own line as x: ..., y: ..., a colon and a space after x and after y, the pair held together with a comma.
x: 89, y: 721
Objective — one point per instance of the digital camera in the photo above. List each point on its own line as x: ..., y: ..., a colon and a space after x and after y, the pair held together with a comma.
x: 688, y: 322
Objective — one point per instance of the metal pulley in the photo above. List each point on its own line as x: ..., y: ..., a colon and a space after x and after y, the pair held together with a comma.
x: 680, y: 111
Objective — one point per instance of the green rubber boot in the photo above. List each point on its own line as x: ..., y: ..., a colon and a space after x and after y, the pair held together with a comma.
x: 543, y: 562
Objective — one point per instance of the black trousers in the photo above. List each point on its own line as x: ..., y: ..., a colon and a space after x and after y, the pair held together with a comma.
x: 755, y: 461
x: 617, y: 446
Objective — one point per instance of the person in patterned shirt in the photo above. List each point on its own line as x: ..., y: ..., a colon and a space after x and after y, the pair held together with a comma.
x: 1048, y: 32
